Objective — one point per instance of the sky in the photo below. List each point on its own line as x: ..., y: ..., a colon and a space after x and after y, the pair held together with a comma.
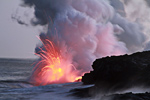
x: 18, y: 38
x: 16, y: 41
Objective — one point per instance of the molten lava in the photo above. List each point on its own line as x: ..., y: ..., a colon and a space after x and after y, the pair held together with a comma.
x: 53, y: 66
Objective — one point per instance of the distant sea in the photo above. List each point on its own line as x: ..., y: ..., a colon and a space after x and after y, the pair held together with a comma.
x: 14, y: 74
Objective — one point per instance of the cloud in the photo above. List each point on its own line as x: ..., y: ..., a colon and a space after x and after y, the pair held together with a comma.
x: 91, y: 28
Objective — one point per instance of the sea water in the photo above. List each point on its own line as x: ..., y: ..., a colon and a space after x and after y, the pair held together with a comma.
x: 14, y: 85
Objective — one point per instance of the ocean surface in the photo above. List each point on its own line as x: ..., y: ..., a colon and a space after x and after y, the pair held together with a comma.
x: 14, y: 85
x: 14, y: 74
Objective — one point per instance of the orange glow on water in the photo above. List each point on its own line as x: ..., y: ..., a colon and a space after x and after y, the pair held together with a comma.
x: 52, y: 66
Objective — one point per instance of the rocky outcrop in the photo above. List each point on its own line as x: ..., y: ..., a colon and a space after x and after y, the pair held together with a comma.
x: 127, y: 96
x: 120, y: 72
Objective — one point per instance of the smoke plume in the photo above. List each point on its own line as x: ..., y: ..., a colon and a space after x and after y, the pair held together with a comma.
x: 139, y: 12
x: 90, y: 28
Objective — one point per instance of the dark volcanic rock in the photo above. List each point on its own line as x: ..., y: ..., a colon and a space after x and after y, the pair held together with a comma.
x: 127, y: 96
x: 120, y: 72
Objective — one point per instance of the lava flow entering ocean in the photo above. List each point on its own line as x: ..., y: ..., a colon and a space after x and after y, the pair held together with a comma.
x: 53, y: 67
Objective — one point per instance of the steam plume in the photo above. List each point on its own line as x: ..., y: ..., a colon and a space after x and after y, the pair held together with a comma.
x: 139, y: 12
x: 90, y: 28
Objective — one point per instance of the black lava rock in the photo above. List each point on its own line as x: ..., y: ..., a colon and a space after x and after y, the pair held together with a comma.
x: 127, y: 96
x: 120, y: 72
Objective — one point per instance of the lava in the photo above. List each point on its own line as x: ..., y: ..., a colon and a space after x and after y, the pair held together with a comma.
x: 53, y: 66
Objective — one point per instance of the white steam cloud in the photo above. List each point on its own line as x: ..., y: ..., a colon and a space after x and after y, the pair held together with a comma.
x: 91, y: 28
x: 139, y: 11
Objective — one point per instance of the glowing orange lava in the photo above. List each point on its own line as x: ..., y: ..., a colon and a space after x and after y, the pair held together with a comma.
x: 52, y: 66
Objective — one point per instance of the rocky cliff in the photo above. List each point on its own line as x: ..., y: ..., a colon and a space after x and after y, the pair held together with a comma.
x: 118, y: 72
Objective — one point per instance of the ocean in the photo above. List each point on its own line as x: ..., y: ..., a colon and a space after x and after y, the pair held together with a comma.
x: 14, y: 85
